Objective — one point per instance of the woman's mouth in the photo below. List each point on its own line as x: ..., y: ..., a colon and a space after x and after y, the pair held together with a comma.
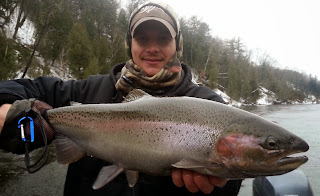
x: 152, y: 60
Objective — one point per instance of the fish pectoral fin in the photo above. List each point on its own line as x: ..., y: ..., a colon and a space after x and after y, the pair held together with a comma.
x: 73, y: 103
x: 132, y: 177
x: 211, y: 168
x: 106, y: 174
x: 67, y: 151
x: 188, y: 164
x: 135, y: 94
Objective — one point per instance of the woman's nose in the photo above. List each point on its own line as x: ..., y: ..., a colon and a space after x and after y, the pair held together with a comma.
x: 153, y: 47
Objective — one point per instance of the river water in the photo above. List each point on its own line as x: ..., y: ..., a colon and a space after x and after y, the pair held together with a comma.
x: 303, y: 120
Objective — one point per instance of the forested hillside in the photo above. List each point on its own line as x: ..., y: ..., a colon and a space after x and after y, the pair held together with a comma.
x: 87, y: 37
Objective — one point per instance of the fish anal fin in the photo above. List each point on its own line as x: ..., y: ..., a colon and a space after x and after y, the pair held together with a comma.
x: 135, y: 94
x: 67, y: 151
x: 132, y: 177
x: 106, y: 174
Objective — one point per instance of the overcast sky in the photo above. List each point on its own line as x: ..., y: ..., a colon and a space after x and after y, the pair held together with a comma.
x: 286, y: 30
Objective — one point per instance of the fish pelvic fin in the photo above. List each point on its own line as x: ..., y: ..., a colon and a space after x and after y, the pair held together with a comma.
x: 135, y: 94
x: 67, y: 151
x: 106, y: 174
x: 132, y: 177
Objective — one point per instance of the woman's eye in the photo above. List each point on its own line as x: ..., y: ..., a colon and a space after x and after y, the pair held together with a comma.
x: 141, y: 39
x: 166, y: 39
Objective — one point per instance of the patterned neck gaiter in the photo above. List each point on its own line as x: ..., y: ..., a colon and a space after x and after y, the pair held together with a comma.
x: 133, y: 77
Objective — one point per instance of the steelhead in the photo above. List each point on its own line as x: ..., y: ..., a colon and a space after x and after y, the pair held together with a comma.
x: 152, y: 135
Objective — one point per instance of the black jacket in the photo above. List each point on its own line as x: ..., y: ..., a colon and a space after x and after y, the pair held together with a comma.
x: 101, y: 89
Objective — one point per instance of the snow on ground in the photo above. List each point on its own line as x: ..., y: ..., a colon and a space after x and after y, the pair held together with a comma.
x: 266, y: 97
x: 56, y: 70
x: 25, y: 33
x: 310, y: 99
x: 25, y: 36
x: 224, y: 96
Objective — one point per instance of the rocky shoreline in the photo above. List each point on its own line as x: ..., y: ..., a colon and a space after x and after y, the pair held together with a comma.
x: 15, y: 180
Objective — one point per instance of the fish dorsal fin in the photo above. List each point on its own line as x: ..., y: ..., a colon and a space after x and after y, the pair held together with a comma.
x: 106, y: 174
x: 135, y: 94
x: 132, y: 177
x: 67, y: 151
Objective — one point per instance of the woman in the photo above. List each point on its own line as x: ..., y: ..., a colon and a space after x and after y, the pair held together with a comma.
x: 154, y: 44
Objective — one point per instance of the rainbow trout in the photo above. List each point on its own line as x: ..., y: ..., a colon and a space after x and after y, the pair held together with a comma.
x: 152, y: 135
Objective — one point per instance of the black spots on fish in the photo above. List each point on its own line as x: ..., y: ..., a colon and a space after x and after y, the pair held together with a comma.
x: 182, y: 140
x: 151, y: 140
x: 177, y: 132
x: 252, y: 131
x: 111, y: 117
x: 126, y: 131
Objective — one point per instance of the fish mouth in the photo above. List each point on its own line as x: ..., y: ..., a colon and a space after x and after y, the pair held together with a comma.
x: 293, y: 160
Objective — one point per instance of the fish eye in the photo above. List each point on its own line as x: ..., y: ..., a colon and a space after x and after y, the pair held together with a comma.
x: 270, y: 143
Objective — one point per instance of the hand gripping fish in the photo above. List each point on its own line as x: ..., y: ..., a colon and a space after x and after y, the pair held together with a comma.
x: 152, y: 135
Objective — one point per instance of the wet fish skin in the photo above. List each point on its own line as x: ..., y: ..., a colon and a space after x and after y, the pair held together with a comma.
x: 152, y: 135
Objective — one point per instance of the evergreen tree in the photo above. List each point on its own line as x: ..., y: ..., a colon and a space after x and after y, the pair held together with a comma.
x: 79, y: 53
x: 55, y: 41
x: 93, y: 68
x: 213, y: 77
x: 7, y: 57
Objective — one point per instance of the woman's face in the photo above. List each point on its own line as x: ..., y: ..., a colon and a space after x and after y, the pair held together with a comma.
x: 152, y: 46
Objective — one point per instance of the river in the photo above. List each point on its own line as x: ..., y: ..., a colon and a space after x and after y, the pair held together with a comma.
x: 303, y: 120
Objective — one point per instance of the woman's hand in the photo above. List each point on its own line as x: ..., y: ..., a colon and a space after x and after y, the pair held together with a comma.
x: 10, y: 137
x: 194, y: 181
x: 3, y: 113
